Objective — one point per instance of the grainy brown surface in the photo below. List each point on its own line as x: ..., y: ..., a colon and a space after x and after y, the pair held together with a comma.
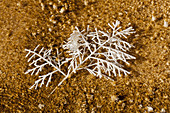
x: 25, y: 24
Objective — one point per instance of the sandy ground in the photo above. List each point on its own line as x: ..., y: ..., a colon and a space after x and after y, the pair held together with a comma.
x: 26, y: 23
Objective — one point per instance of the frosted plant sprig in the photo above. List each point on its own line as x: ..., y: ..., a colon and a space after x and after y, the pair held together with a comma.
x: 98, y: 52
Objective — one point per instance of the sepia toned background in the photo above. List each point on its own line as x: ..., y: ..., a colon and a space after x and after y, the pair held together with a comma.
x: 27, y: 23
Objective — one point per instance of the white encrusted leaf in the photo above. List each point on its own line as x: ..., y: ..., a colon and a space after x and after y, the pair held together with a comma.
x: 98, y: 52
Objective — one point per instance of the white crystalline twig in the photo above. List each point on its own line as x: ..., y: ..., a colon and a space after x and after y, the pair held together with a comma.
x: 98, y: 52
